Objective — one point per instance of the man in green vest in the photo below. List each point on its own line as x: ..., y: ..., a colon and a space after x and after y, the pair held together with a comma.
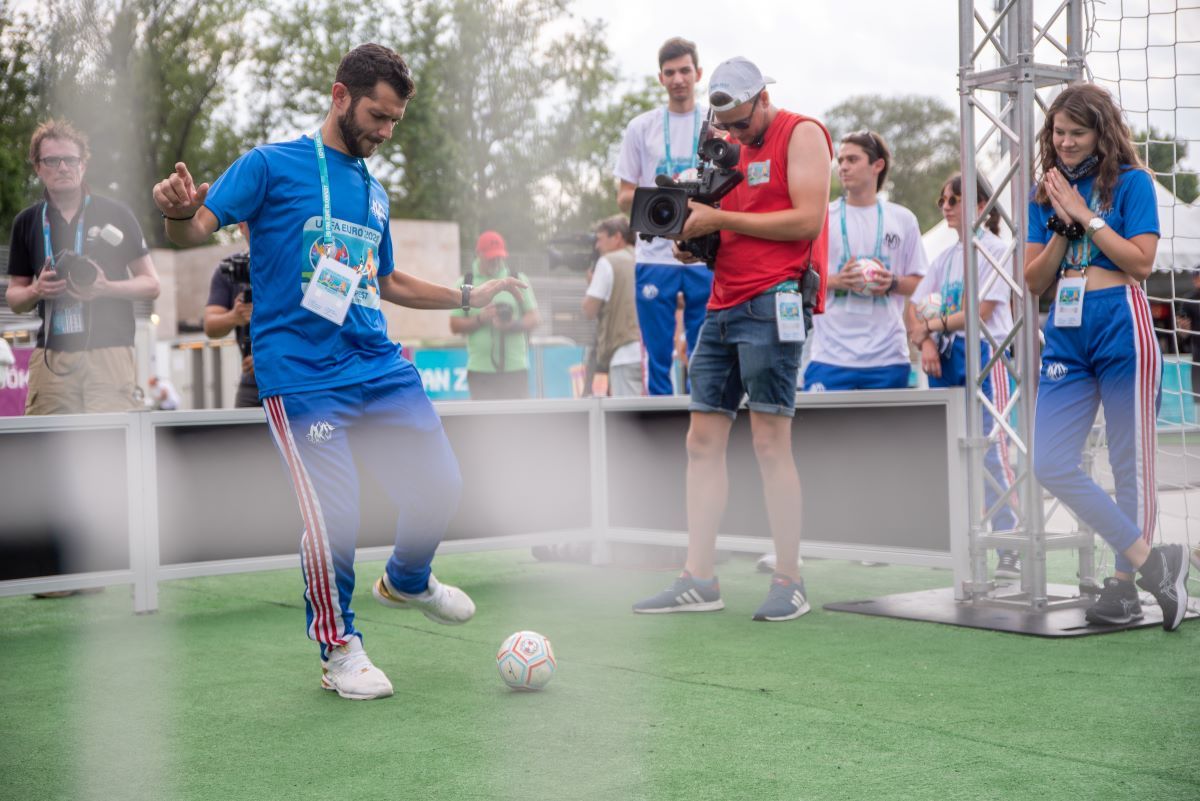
x: 498, y: 334
x: 612, y: 297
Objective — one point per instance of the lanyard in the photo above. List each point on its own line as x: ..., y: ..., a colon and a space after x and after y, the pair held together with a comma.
x: 47, y: 246
x: 846, y: 255
x: 667, y: 137
x: 1085, y: 254
x: 325, y: 202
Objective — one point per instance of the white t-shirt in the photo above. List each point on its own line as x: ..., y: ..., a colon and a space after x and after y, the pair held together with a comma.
x: 862, y: 332
x: 945, y: 276
x: 644, y: 155
x: 601, y: 288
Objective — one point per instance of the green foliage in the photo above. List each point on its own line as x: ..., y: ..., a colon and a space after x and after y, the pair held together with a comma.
x: 1163, y: 154
x: 923, y: 135
x: 18, y: 89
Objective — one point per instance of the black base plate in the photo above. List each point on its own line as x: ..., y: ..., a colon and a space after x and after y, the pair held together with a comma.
x: 939, y: 606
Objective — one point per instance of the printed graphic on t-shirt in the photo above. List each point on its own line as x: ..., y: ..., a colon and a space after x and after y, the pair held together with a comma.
x: 952, y: 297
x: 677, y: 166
x: 758, y: 172
x: 356, y: 246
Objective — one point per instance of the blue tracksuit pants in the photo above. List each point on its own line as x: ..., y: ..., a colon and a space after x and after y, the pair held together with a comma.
x: 1112, y: 359
x: 954, y: 374
x: 387, y: 428
x: 657, y: 288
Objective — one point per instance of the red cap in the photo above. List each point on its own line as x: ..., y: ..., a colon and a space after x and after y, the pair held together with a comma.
x: 491, y: 246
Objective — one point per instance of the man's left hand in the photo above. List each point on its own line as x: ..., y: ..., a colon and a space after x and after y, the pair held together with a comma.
x: 701, y: 221
x: 97, y: 289
x: 482, y: 295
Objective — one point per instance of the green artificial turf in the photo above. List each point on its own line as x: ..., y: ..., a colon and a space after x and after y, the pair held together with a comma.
x: 217, y: 697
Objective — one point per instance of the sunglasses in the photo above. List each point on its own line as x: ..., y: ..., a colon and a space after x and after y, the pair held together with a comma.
x: 951, y: 201
x: 54, y: 162
x: 738, y: 125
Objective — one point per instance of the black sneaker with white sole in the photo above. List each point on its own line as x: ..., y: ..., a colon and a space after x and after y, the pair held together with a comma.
x: 1164, y: 575
x: 1009, y: 566
x: 685, y: 595
x: 1117, y: 605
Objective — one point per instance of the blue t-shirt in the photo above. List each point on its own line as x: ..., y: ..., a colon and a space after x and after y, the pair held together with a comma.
x: 276, y: 190
x: 1134, y: 211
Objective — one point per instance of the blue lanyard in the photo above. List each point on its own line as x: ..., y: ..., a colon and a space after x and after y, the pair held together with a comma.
x: 846, y: 255
x: 47, y: 246
x: 667, y: 138
x: 1085, y: 259
x: 325, y: 202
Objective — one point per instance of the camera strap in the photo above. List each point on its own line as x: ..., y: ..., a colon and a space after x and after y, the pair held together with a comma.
x: 667, y: 139
x: 47, y: 245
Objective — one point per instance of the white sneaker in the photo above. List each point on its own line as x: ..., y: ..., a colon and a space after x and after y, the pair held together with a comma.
x: 440, y: 602
x: 349, y: 672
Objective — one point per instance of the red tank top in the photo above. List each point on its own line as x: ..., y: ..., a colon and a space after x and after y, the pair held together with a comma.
x: 747, y: 265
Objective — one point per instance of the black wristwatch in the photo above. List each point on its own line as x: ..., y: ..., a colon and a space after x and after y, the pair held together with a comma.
x: 466, y: 297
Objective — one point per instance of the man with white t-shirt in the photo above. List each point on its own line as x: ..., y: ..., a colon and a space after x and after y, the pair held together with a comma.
x: 663, y: 141
x: 876, y: 261
x: 610, y: 298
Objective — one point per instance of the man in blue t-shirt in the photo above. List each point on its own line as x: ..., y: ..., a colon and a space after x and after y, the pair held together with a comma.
x: 335, y: 388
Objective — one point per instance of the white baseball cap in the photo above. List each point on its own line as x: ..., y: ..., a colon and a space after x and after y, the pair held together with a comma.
x: 737, y: 79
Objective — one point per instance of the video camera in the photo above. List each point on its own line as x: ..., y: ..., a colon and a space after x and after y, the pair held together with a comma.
x: 236, y: 268
x: 662, y: 210
x: 572, y: 252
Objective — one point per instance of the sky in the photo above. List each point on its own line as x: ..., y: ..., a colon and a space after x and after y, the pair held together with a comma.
x: 819, y: 52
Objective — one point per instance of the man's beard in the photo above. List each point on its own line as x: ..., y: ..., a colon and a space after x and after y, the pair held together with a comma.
x: 351, y: 133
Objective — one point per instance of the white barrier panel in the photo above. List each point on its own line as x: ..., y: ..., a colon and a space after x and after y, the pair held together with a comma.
x: 145, y: 497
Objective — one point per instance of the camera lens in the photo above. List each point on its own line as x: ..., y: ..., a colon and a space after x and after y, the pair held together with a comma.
x: 663, y: 212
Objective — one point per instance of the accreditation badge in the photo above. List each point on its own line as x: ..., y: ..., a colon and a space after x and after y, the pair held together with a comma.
x: 1068, y: 303
x: 331, y: 290
x: 67, y: 318
x: 789, y: 316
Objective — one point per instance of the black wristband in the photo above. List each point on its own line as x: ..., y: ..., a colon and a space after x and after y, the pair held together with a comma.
x: 466, y: 297
x: 1070, y: 231
x: 177, y: 219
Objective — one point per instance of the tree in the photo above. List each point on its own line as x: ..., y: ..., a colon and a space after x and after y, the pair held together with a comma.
x: 923, y: 135
x: 19, y: 92
x: 1164, y: 153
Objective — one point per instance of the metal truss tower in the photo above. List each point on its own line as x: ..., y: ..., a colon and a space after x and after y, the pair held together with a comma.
x: 999, y: 81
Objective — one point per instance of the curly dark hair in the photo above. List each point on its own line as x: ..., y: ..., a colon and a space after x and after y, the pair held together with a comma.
x: 1092, y: 107
x: 366, y: 65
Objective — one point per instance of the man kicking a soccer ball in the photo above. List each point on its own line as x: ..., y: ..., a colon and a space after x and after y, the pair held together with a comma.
x: 336, y: 390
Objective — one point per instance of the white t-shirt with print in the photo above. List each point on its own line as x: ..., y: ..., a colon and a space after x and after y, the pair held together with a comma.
x: 601, y: 288
x: 857, y: 333
x: 643, y: 156
x: 945, y: 276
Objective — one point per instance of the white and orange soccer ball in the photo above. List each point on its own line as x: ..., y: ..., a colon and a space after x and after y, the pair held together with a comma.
x: 871, y: 272
x: 526, y: 661
x: 930, y: 307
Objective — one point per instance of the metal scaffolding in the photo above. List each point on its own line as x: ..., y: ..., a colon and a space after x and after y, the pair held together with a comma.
x: 999, y: 81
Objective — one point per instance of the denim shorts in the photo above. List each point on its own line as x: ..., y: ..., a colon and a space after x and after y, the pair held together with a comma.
x: 739, y: 354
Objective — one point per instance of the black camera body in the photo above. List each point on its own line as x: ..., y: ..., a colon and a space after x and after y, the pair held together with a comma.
x: 77, y: 267
x: 663, y: 209
x: 236, y: 268
x: 576, y: 252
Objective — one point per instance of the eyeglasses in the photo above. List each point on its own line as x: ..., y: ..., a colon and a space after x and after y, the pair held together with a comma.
x: 54, y: 162
x: 738, y: 125
x: 951, y: 201
x: 869, y: 135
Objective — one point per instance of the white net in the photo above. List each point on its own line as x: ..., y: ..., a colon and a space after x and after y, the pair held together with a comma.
x: 1147, y: 53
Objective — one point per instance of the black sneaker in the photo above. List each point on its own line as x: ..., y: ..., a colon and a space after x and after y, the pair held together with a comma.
x: 1117, y: 605
x: 785, y: 600
x: 685, y: 595
x: 1164, y: 575
x: 1009, y: 566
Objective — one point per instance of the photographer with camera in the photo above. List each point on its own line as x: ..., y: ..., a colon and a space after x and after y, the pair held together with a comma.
x: 498, y: 334
x: 611, y: 299
x: 875, y: 248
x: 663, y: 142
x: 81, y: 261
x: 768, y: 276
x: 230, y: 304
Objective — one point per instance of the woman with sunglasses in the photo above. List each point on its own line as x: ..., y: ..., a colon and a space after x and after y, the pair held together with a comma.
x: 938, y: 332
x: 1093, y: 233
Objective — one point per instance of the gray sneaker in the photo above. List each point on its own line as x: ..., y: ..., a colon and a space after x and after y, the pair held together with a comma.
x: 1164, y: 575
x: 785, y: 600
x: 685, y: 595
x: 1117, y: 605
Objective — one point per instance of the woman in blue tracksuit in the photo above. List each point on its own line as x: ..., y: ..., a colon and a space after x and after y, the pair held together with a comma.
x: 938, y: 332
x: 1093, y: 233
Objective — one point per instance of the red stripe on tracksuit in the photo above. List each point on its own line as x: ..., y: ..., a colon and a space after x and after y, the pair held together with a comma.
x: 327, y: 626
x: 1000, y: 398
x: 1146, y: 393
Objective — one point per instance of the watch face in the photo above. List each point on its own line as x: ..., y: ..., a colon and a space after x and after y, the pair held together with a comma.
x: 1096, y: 223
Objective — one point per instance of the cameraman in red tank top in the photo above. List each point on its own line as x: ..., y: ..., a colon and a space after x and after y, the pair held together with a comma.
x: 773, y: 233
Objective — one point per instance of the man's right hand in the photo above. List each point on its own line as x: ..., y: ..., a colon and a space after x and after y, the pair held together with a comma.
x: 177, y: 195
x: 931, y: 362
x: 241, y: 312
x: 849, y: 279
x: 48, y: 284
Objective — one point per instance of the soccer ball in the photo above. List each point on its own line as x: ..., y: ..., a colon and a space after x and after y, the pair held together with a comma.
x: 930, y: 307
x: 526, y: 661
x: 871, y: 272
